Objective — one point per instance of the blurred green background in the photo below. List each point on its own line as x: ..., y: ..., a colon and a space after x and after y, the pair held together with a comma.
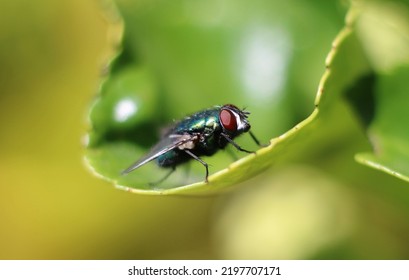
x: 325, y: 205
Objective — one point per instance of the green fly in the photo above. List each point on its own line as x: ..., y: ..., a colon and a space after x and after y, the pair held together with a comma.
x: 200, y: 134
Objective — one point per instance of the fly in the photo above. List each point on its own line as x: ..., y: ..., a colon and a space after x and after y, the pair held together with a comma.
x: 200, y: 134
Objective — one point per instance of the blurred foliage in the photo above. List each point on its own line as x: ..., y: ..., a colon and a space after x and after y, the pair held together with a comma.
x: 380, y: 98
x: 261, y: 60
x: 315, y: 203
x: 235, y: 53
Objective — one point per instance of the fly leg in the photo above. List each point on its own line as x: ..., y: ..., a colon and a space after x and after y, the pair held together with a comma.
x: 187, y: 173
x: 201, y: 161
x: 236, y: 145
x: 232, y: 154
x: 164, y: 178
x: 256, y: 140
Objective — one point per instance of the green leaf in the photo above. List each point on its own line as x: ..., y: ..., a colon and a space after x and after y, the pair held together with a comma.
x: 381, y: 99
x: 388, y: 130
x: 126, y: 106
x: 169, y: 48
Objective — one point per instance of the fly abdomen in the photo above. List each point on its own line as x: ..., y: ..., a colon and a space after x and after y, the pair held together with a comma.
x: 172, y: 158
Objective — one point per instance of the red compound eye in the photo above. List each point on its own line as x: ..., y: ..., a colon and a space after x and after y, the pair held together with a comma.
x: 228, y: 120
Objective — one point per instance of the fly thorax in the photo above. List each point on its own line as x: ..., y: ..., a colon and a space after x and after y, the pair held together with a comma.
x: 211, y: 123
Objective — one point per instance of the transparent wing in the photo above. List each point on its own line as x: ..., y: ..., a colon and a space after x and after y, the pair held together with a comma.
x: 165, y: 145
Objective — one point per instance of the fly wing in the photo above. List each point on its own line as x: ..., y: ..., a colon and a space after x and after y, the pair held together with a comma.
x: 163, y: 146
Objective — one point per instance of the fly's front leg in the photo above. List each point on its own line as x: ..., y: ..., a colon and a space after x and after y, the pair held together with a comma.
x: 235, y: 144
x: 256, y: 140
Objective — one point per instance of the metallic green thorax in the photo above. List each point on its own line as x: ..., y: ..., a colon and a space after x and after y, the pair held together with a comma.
x: 207, y: 124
